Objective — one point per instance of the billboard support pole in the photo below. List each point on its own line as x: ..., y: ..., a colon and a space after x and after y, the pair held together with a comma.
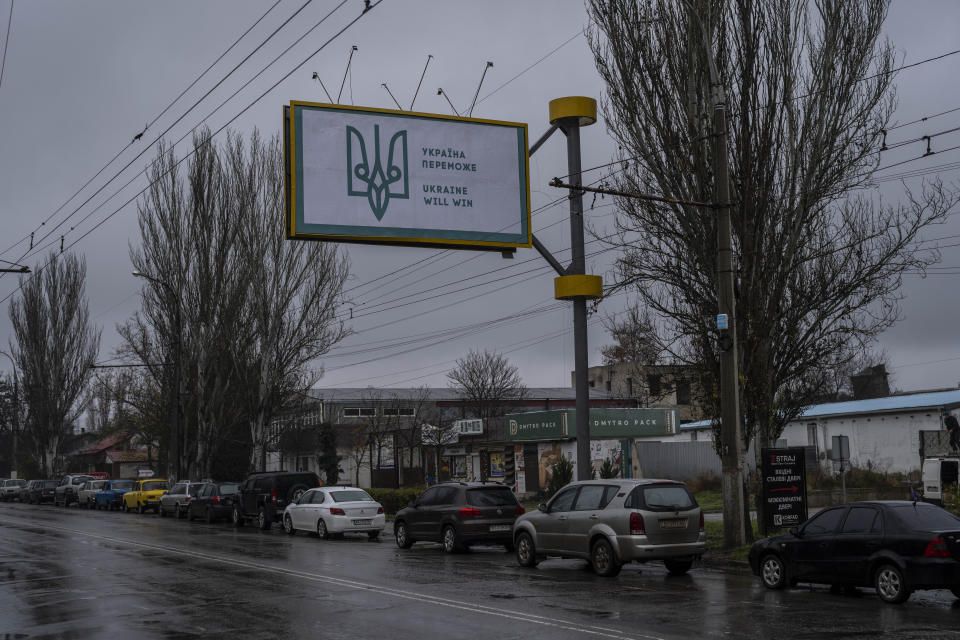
x: 569, y: 114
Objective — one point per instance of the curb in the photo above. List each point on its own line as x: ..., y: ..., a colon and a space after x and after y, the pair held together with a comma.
x: 727, y: 565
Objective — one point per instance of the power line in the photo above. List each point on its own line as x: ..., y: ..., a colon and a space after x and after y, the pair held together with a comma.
x: 6, y: 41
x: 924, y: 119
x: 366, y: 10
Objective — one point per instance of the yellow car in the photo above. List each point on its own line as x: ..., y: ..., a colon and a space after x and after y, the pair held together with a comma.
x: 145, y: 495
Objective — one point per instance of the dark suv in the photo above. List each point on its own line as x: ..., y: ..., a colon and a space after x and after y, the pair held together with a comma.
x: 265, y: 495
x: 459, y: 514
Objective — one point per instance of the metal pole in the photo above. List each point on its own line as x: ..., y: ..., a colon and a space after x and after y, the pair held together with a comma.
x: 571, y: 127
x: 16, y: 415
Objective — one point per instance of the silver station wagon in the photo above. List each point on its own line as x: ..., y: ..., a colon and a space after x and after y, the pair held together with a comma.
x: 613, y: 522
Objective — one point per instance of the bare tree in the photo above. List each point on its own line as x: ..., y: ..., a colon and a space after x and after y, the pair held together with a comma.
x: 819, y: 260
x: 486, y: 379
x: 55, y: 346
x: 294, y: 292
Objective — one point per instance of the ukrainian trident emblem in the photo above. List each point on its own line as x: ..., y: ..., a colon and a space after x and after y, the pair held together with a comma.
x: 379, y: 181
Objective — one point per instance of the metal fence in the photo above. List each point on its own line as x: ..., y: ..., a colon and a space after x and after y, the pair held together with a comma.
x: 681, y: 460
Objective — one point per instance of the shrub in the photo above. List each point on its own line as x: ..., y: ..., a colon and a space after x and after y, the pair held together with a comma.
x: 608, y: 470
x: 395, y: 499
x: 561, y: 474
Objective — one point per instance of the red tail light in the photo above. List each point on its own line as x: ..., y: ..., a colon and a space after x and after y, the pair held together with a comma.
x: 519, y: 510
x: 379, y: 509
x: 936, y: 548
x: 273, y: 495
x: 636, y: 524
x: 215, y: 499
x: 187, y: 499
x: 337, y: 511
x: 470, y: 512
x: 701, y: 521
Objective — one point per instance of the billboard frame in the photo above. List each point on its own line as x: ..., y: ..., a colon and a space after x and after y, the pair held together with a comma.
x: 427, y: 237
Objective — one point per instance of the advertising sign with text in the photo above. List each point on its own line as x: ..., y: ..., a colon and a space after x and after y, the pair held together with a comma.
x: 784, y: 489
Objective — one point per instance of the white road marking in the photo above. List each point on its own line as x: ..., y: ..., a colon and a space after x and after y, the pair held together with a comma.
x: 518, y: 616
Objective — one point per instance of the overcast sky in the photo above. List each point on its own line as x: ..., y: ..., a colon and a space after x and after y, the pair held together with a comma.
x: 81, y: 79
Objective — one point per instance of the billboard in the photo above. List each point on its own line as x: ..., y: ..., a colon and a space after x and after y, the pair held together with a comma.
x: 377, y: 176
x: 604, y: 424
x: 784, y: 487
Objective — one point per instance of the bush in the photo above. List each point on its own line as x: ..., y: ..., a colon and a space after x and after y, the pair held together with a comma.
x: 608, y: 470
x: 706, y: 481
x: 561, y: 474
x: 395, y: 499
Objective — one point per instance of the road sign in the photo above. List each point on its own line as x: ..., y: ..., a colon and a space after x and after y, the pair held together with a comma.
x: 784, y: 488
x: 377, y: 176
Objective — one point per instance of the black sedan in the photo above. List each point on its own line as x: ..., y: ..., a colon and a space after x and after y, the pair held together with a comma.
x: 215, y: 500
x: 896, y: 547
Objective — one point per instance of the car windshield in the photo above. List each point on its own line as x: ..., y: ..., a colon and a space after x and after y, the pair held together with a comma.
x: 122, y: 484
x: 492, y: 497
x: 352, y: 495
x: 50, y: 484
x: 229, y: 489
x: 671, y: 497
x: 925, y: 517
x: 195, y: 488
x: 155, y: 485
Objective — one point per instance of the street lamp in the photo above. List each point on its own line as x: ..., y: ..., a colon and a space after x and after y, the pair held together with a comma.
x: 16, y: 414
x: 175, y: 430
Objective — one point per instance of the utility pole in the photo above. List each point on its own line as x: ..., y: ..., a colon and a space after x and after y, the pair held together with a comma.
x: 16, y: 416
x: 734, y: 529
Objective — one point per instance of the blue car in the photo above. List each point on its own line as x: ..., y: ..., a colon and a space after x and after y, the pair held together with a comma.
x: 110, y: 497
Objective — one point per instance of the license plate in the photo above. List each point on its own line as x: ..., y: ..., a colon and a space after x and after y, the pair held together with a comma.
x: 499, y: 527
x: 361, y: 523
x: 679, y: 523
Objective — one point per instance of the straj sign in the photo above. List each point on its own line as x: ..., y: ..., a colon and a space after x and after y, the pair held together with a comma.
x: 784, y: 488
x: 376, y: 176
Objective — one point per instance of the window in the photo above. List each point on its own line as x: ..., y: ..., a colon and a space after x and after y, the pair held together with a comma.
x: 666, y: 497
x: 860, y: 520
x: 653, y: 385
x: 446, y: 495
x: 593, y: 497
x: 318, y: 497
x: 683, y: 392
x: 609, y: 384
x: 179, y: 488
x: 629, y: 386
x: 823, y: 522
x: 359, y: 412
x: 563, y: 500
x: 429, y: 497
x: 925, y: 517
x: 229, y: 489
x: 352, y: 495
x: 469, y: 426
x: 491, y: 497
x: 591, y: 384
x: 195, y: 488
x: 398, y: 411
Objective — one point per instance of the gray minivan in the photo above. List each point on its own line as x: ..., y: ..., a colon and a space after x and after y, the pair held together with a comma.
x: 613, y: 522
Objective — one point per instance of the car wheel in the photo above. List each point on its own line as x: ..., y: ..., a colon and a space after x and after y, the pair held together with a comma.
x: 890, y: 584
x: 296, y: 491
x: 373, y: 535
x: 526, y: 551
x: 402, y: 536
x: 678, y: 567
x: 262, y: 520
x: 140, y: 508
x: 288, y: 524
x: 237, y: 518
x: 450, y: 541
x: 322, y: 532
x: 773, y: 572
x: 603, y: 560
x: 180, y: 512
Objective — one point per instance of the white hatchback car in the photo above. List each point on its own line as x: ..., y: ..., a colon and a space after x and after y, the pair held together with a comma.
x: 334, y: 511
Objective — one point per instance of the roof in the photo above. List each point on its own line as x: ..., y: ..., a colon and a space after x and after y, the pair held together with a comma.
x: 925, y: 401
x: 374, y: 394
x: 136, y: 455
x: 103, y: 445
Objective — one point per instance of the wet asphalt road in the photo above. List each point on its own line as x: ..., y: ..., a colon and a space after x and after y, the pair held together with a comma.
x: 71, y: 573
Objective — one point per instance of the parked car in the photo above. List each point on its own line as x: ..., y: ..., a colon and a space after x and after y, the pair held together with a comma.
x: 459, y: 514
x: 895, y: 546
x: 176, y: 501
x: 110, y: 496
x: 24, y: 494
x: 265, y: 495
x: 86, y: 497
x: 213, y: 501
x: 68, y: 490
x: 10, y: 489
x: 43, y: 491
x: 613, y: 522
x: 335, y: 511
x: 144, y: 495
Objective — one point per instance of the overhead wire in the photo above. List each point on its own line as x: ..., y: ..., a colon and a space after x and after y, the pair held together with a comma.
x: 6, y: 41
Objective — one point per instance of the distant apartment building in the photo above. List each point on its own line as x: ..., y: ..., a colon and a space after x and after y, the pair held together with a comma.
x: 661, y: 386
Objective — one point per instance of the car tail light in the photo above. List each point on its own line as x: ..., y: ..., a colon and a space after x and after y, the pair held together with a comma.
x: 187, y: 499
x: 68, y: 490
x: 519, y: 510
x: 470, y: 512
x: 936, y: 548
x: 636, y: 524
x: 701, y: 521
x: 215, y: 499
x: 273, y: 495
x: 337, y: 511
x: 379, y: 509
